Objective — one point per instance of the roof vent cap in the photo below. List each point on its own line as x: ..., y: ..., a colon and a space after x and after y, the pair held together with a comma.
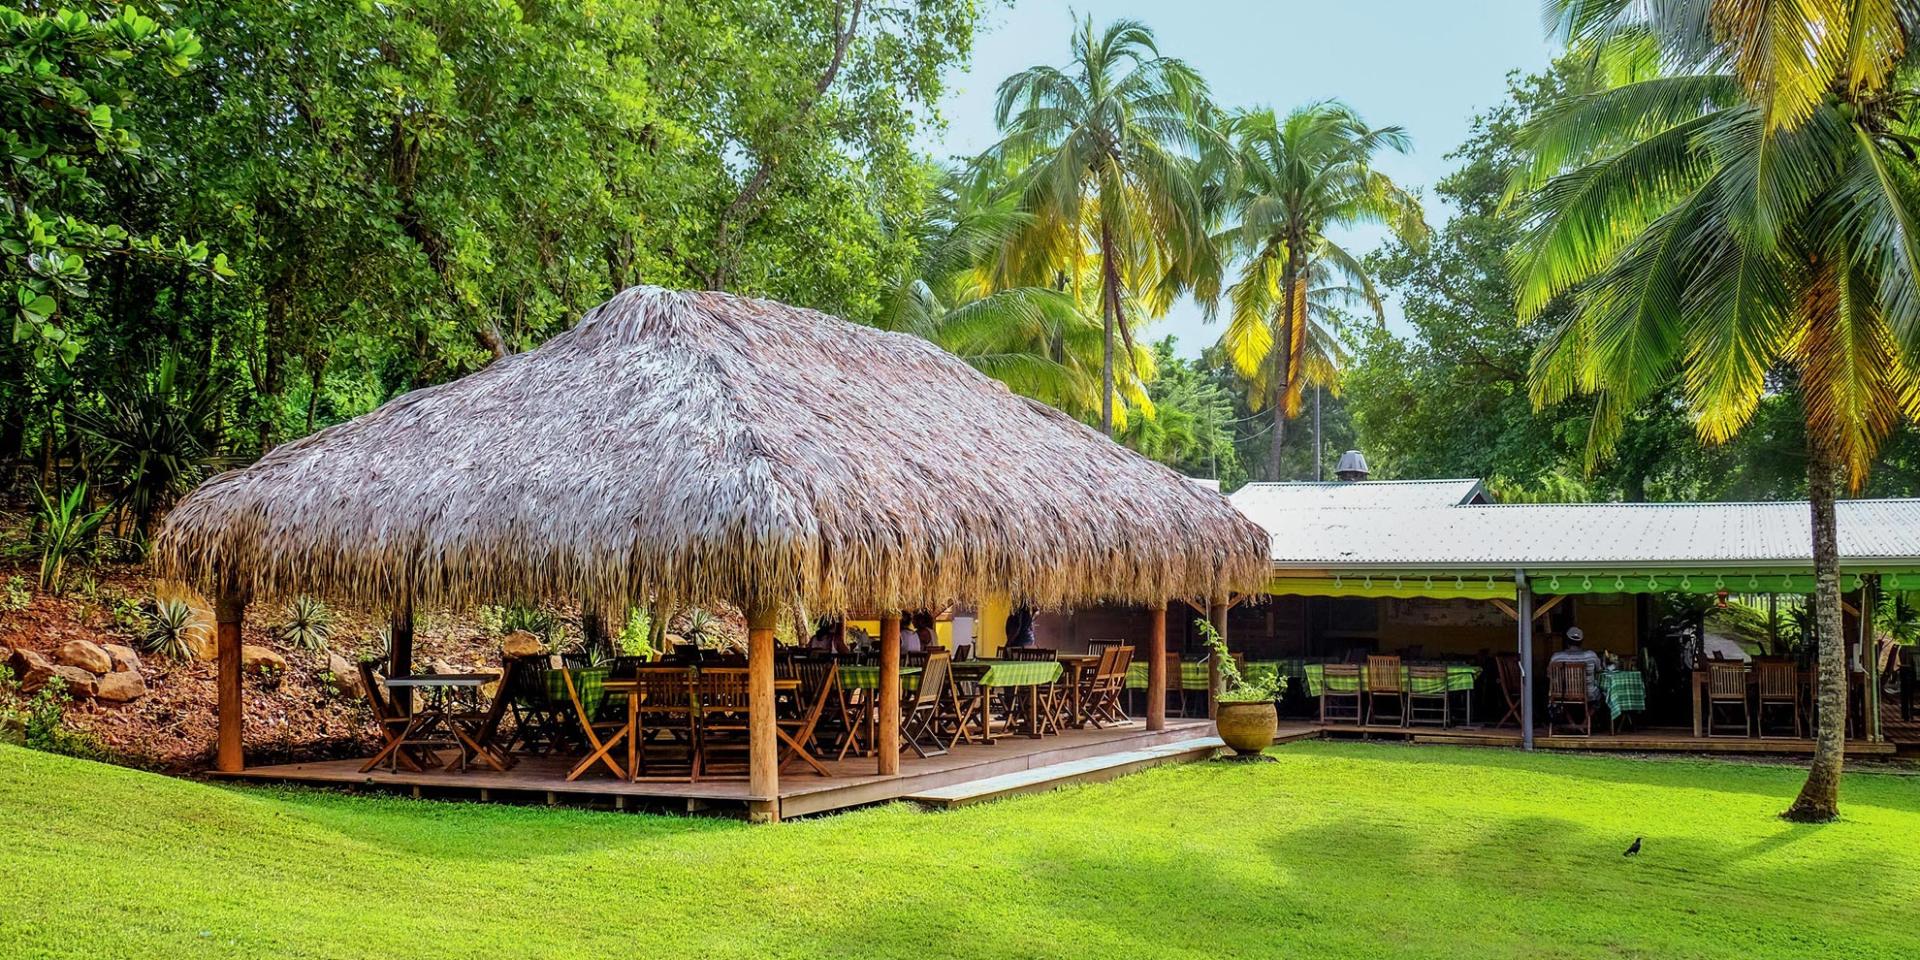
x: 1352, y: 467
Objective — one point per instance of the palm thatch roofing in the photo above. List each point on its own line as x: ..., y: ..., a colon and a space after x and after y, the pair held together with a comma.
x: 702, y: 448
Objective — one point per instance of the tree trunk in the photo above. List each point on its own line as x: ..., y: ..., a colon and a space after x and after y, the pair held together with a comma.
x: 1819, y: 799
x: 1109, y: 305
x: 1282, y: 353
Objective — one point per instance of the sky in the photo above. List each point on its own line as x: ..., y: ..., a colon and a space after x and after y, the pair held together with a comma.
x: 1426, y: 65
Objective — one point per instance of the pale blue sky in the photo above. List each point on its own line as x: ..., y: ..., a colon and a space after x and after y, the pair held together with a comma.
x: 1427, y: 65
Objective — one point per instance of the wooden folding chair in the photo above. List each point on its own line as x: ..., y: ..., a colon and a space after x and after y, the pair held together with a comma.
x: 917, y: 720
x: 1511, y: 685
x: 1567, y: 692
x: 724, y: 700
x: 819, y: 680
x: 476, y: 729
x: 1333, y: 701
x: 1429, y: 702
x: 1778, y: 680
x: 1727, y: 692
x: 599, y: 750
x: 662, y: 703
x: 1100, y: 690
x: 540, y: 721
x: 1383, y: 682
x: 393, y: 728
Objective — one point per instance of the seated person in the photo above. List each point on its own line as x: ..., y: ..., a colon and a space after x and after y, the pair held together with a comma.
x: 909, y: 638
x: 827, y: 637
x: 924, y: 632
x: 1576, y: 652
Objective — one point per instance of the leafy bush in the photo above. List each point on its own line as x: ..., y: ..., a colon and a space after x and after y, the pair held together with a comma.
x: 39, y: 722
x: 636, y: 638
x: 306, y: 624
x: 1234, y: 687
x: 66, y: 530
x: 169, y: 626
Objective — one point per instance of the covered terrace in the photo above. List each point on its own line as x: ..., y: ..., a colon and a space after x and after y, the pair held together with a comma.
x: 701, y: 449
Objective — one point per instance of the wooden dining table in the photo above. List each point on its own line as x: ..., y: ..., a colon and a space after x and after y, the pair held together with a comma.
x: 431, y: 726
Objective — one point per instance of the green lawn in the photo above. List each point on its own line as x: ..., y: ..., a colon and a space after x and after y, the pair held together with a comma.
x: 1335, y: 851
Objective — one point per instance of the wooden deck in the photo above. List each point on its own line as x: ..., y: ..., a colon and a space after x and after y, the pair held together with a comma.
x: 802, y: 792
x: 1651, y: 740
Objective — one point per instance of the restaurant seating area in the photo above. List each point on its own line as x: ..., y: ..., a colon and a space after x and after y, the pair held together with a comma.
x: 687, y: 717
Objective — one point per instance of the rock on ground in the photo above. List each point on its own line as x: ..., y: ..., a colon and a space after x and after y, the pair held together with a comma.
x: 124, y: 657
x: 81, y: 685
x: 346, y: 676
x: 85, y: 654
x: 121, y: 686
x: 257, y: 658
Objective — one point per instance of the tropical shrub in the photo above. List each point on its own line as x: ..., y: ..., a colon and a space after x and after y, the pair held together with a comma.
x: 306, y: 624
x: 66, y: 530
x: 169, y: 628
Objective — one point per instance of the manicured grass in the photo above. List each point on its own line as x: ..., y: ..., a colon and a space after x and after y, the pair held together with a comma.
x: 1334, y: 851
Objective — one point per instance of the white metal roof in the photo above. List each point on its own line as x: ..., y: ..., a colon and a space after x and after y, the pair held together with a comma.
x: 1546, y: 537
x: 1258, y: 499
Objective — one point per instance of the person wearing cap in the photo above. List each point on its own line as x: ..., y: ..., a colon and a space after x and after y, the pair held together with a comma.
x: 1576, y: 652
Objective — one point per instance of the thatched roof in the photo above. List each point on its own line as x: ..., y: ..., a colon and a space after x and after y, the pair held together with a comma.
x: 702, y: 448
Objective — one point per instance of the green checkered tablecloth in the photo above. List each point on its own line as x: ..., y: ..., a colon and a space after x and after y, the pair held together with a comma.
x: 1459, y: 677
x: 590, y: 681
x: 855, y: 676
x: 1009, y: 673
x: 1626, y: 691
x: 1193, y: 675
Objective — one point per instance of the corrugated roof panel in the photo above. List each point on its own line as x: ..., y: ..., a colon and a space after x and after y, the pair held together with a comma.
x: 1544, y: 536
x: 1256, y: 499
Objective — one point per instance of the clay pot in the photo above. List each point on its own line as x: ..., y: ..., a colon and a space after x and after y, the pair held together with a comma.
x: 1247, y: 727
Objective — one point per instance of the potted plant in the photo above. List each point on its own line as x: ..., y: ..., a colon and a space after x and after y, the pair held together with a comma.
x: 1244, y: 712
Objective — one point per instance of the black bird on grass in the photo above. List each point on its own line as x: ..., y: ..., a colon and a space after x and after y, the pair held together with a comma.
x: 1633, y: 850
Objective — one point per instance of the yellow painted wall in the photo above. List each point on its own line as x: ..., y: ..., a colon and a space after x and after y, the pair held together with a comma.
x: 990, y: 625
x: 942, y: 630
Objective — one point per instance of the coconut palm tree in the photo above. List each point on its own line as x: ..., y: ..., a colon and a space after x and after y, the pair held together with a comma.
x: 1037, y: 340
x: 1300, y: 176
x: 1107, y: 156
x: 1737, y: 199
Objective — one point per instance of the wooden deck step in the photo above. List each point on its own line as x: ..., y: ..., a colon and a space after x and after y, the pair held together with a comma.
x: 1088, y: 770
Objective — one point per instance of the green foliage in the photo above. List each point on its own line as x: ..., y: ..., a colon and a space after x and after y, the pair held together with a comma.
x: 154, y: 439
x: 306, y: 624
x: 635, y: 638
x: 65, y: 530
x: 39, y: 722
x: 1189, y: 428
x: 17, y: 594
x: 1234, y: 688
x: 169, y: 627
x: 539, y: 621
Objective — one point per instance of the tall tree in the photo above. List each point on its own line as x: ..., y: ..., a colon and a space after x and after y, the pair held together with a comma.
x: 1300, y: 176
x: 1108, y: 156
x: 1739, y: 198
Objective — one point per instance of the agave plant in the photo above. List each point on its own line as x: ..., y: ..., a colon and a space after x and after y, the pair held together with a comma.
x: 307, y: 624
x: 67, y: 529
x: 169, y: 627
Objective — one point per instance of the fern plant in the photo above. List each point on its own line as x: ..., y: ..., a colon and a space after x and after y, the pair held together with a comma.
x: 169, y: 624
x: 307, y: 624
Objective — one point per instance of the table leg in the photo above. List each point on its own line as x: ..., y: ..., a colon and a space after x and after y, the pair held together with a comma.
x: 1033, y: 711
x: 633, y: 731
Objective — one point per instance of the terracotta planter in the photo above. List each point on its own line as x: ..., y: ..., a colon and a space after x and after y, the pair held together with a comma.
x: 1247, y: 727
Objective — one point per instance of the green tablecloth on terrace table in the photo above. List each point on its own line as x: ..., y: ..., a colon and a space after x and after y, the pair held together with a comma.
x: 1193, y: 675
x: 589, y: 681
x: 1459, y: 677
x: 1008, y: 673
x: 1625, y: 689
x: 854, y: 676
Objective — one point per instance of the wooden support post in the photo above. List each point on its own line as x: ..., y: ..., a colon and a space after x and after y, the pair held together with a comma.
x: 1870, y: 658
x: 887, y: 745
x: 763, y: 756
x: 400, y: 655
x: 1157, y: 667
x: 1525, y: 596
x: 1217, y: 614
x: 229, y: 613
